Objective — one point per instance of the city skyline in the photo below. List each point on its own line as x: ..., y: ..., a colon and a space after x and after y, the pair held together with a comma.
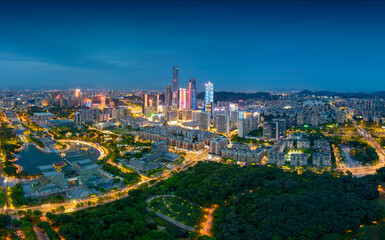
x: 216, y: 120
x: 253, y: 46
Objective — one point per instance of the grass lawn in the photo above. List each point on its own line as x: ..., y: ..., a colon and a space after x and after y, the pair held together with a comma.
x: 182, y: 211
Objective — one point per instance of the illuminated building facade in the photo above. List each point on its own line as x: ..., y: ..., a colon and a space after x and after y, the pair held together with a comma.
x: 102, y: 101
x: 209, y: 97
x: 182, y: 98
x: 77, y: 93
x: 88, y: 102
x: 150, y: 100
x: 192, y: 96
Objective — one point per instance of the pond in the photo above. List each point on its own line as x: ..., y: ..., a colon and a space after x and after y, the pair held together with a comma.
x: 31, y: 157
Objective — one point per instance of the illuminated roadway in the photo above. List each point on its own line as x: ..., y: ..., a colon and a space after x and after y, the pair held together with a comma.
x: 364, y: 170
x: 191, y: 160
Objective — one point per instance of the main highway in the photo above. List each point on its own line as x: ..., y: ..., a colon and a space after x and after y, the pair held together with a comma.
x: 364, y: 170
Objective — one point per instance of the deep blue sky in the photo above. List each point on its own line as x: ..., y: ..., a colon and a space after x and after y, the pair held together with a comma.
x: 252, y: 45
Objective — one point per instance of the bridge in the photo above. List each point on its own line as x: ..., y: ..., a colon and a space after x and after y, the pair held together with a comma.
x: 61, y: 156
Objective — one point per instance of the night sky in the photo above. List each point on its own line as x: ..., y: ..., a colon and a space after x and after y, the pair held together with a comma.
x: 243, y: 46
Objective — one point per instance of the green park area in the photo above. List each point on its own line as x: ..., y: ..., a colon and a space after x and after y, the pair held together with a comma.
x: 9, y: 143
x: 181, y: 210
x: 252, y: 201
x: 120, y: 131
x: 363, y: 152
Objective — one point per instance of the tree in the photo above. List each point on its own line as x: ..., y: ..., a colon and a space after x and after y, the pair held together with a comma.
x: 5, y: 220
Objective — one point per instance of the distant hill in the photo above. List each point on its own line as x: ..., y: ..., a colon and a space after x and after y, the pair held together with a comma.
x: 380, y: 94
x: 235, y: 96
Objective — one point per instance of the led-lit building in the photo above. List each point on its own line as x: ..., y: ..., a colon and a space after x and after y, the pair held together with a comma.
x: 182, y: 98
x: 233, y: 107
x: 102, y: 101
x: 77, y: 93
x: 192, y: 96
x: 150, y: 100
x: 175, y: 85
x: 88, y: 102
x: 209, y: 97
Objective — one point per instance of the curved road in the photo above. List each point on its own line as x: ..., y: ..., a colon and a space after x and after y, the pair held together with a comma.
x: 71, y: 206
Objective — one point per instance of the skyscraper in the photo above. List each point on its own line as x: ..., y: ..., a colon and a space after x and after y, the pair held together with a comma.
x: 274, y: 130
x: 223, y: 125
x: 281, y: 128
x: 150, y: 100
x: 102, y: 101
x: 204, y: 120
x: 209, y: 97
x: 168, y: 96
x: 182, y: 98
x: 192, y: 96
x: 175, y: 85
x: 77, y: 93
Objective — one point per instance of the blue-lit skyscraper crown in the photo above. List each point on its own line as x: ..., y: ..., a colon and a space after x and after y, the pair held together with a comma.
x: 209, y: 95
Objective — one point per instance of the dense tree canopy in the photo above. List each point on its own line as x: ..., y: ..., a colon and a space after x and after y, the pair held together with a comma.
x: 255, y: 202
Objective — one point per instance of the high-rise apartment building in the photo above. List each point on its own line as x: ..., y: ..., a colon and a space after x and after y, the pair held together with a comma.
x: 192, y: 96
x: 168, y: 96
x: 300, y: 118
x: 204, y: 120
x: 340, y: 117
x: 281, y: 128
x: 234, y: 115
x: 223, y: 124
x: 102, y: 101
x: 150, y: 100
x: 218, y: 144
x: 175, y: 85
x: 209, y: 97
x: 232, y: 107
x: 77, y: 93
x: 242, y: 128
x: 247, y: 124
x: 274, y: 130
x: 314, y: 119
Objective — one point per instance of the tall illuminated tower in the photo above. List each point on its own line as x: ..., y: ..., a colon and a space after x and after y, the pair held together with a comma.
x: 102, y: 101
x: 77, y: 93
x: 175, y: 85
x: 182, y: 98
x: 192, y: 96
x: 209, y: 97
x: 168, y: 96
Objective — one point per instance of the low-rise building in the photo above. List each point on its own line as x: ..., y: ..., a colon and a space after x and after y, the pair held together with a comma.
x: 277, y: 158
x: 299, y: 159
x: 243, y: 153
x: 303, y: 144
x: 218, y: 144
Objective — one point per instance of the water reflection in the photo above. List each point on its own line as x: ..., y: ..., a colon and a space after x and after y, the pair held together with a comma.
x: 31, y: 157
